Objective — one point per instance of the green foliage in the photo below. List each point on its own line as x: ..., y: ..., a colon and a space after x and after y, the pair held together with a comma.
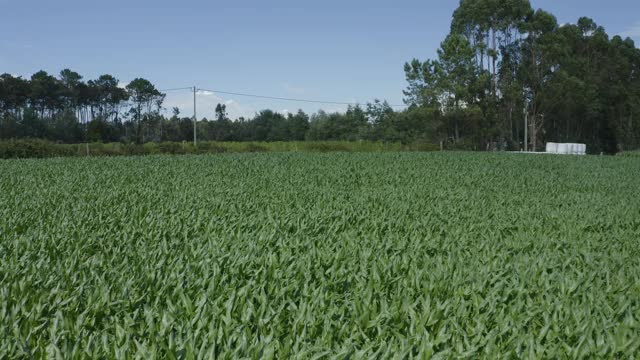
x: 573, y: 82
x: 422, y: 78
x: 635, y: 154
x: 34, y: 148
x: 501, y: 63
x: 407, y: 255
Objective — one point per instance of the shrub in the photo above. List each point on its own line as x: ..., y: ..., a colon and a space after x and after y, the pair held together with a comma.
x: 35, y: 148
x: 251, y: 147
x: 326, y: 147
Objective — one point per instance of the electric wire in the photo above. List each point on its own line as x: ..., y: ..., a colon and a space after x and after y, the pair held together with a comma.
x: 278, y: 98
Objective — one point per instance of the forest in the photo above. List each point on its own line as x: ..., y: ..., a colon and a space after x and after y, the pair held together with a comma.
x: 501, y: 64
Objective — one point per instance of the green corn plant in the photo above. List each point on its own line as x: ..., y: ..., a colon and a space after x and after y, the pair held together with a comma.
x: 320, y: 255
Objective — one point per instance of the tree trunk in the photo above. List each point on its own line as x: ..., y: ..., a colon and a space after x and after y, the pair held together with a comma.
x: 488, y: 53
x: 139, y: 127
x: 494, y: 55
x: 511, y: 121
x: 533, y: 133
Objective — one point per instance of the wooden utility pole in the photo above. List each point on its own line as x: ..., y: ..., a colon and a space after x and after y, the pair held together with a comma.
x: 195, y: 119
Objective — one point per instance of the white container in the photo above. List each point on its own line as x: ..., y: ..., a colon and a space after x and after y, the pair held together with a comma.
x: 566, y: 149
x: 563, y: 149
x: 575, y: 149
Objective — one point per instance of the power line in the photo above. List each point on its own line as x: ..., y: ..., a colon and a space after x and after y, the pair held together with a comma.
x: 177, y: 89
x: 277, y: 98
x: 196, y: 89
x: 289, y: 99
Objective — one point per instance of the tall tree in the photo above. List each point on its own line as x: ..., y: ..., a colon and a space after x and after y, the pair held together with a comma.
x: 14, y: 96
x: 146, y: 100
x: 423, y: 83
x: 538, y: 67
x: 458, y: 80
x: 46, y: 94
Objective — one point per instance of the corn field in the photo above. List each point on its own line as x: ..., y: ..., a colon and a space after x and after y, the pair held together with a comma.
x: 320, y: 256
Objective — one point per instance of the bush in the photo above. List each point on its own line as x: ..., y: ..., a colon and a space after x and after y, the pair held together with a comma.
x: 252, y: 148
x: 35, y: 148
x: 114, y: 149
x: 171, y: 148
x: 133, y: 149
x: 423, y: 147
x: 326, y: 147
x: 461, y: 145
x: 209, y: 148
x: 635, y: 153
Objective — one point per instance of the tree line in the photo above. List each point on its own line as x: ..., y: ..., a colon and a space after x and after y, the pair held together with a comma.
x: 501, y: 64
x: 66, y: 109
x: 504, y: 62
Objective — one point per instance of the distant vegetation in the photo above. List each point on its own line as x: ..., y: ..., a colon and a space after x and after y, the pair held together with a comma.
x: 501, y: 62
x: 630, y: 154
x: 35, y: 148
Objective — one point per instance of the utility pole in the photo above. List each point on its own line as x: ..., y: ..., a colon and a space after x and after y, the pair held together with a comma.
x: 195, y: 119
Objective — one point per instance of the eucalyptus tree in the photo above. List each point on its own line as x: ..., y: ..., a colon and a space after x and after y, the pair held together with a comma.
x: 458, y: 79
x: 624, y: 106
x: 491, y: 26
x: 538, y: 66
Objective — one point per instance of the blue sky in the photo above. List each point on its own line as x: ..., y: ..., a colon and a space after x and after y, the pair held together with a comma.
x: 331, y: 50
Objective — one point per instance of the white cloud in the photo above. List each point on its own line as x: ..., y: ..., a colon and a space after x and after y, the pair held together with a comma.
x: 632, y: 31
x: 206, y: 102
